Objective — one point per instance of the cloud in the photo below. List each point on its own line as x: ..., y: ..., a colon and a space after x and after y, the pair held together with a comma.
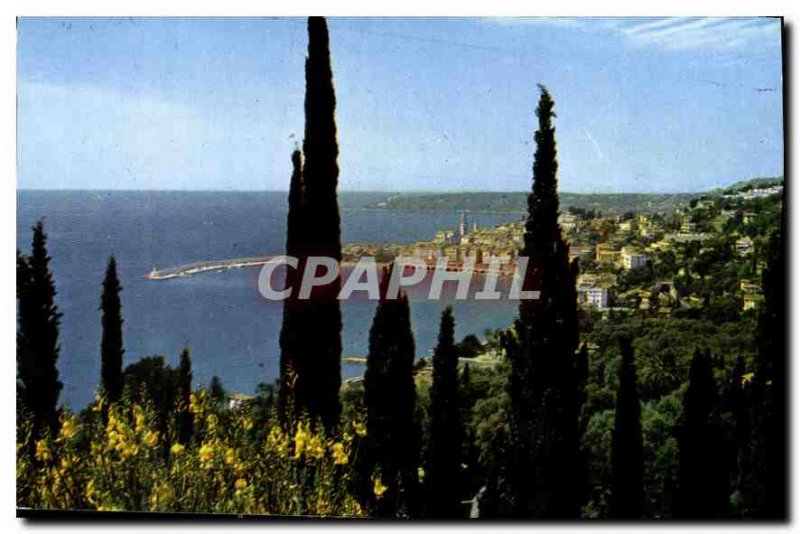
x: 671, y: 33
x: 718, y: 34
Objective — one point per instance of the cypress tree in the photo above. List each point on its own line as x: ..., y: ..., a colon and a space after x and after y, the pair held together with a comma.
x: 770, y: 386
x: 291, y: 337
x: 39, y: 318
x: 216, y: 392
x: 739, y: 439
x: 443, y: 469
x: 702, y: 476
x: 316, y: 364
x: 111, y: 349
x: 392, y: 440
x: 627, y: 456
x: 543, y: 383
x: 185, y: 418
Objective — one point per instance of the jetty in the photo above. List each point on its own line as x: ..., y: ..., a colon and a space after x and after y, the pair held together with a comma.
x: 255, y: 261
x: 206, y: 266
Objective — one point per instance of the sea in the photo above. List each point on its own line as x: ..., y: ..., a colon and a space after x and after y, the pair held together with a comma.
x: 230, y: 329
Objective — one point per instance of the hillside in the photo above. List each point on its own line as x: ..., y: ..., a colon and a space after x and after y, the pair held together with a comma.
x: 609, y: 203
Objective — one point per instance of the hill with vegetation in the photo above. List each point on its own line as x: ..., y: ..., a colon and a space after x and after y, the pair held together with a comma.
x: 516, y: 202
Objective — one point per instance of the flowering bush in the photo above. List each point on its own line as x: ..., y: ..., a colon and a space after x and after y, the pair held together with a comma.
x: 118, y: 457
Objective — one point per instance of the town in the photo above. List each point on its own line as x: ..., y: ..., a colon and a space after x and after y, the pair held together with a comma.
x: 643, y: 263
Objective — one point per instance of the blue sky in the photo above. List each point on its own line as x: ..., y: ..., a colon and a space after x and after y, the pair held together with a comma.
x: 643, y: 104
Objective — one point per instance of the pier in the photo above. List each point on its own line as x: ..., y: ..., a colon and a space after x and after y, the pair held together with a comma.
x: 255, y: 261
x: 206, y: 266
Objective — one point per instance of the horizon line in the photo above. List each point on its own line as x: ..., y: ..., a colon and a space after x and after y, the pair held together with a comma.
x: 381, y: 191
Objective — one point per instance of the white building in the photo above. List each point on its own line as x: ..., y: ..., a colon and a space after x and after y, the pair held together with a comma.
x: 594, y: 295
x: 598, y: 297
x: 632, y: 259
x: 237, y: 400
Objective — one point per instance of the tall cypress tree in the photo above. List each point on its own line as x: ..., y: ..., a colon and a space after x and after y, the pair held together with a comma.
x: 185, y: 418
x: 392, y: 446
x: 543, y: 383
x: 739, y: 452
x: 770, y: 386
x: 702, y: 474
x: 39, y: 318
x: 317, y: 362
x: 291, y: 337
x: 111, y: 349
x: 627, y: 456
x: 443, y: 466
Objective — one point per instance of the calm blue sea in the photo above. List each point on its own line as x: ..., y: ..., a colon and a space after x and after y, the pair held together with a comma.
x: 229, y: 328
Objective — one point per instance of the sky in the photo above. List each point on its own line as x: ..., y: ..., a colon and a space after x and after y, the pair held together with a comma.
x: 642, y: 104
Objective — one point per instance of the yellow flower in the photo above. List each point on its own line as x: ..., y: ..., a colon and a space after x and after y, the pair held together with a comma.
x: 138, y: 416
x: 278, y: 441
x: 68, y: 428
x: 128, y: 450
x: 315, y: 447
x: 247, y: 424
x: 211, y: 421
x: 747, y: 378
x: 42, y: 451
x: 300, y: 440
x: 151, y: 439
x: 339, y: 454
x: 378, y: 488
x: 360, y: 428
x: 177, y: 448
x: 230, y: 456
x: 206, y: 455
x: 240, y: 484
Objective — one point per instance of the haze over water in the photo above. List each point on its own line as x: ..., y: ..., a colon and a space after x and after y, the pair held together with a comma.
x: 229, y: 328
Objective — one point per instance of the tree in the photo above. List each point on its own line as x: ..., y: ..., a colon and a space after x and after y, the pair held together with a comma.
x: 313, y: 350
x: 739, y: 453
x: 542, y: 382
x: 37, y: 335
x: 702, y: 475
x: 291, y: 337
x: 111, y: 348
x: 216, y: 392
x: 185, y: 417
x: 770, y: 386
x: 443, y: 466
x: 469, y: 347
x: 392, y: 440
x: 627, y: 456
